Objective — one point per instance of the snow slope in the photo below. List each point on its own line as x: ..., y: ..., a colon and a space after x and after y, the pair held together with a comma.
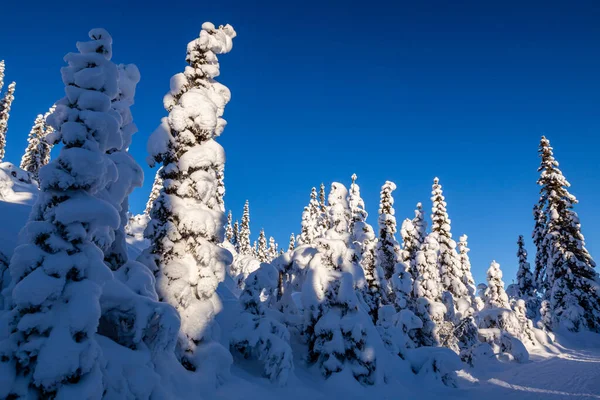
x: 569, y: 370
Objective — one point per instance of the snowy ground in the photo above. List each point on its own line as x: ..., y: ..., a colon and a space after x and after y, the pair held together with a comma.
x: 569, y: 370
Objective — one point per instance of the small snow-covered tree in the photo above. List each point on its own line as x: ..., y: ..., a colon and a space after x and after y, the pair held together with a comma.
x: 155, y: 192
x: 32, y: 158
x: 244, y: 245
x: 388, y: 248
x: 323, y: 220
x: 2, y: 69
x: 235, y: 240
x: 58, y: 272
x: 538, y: 235
x: 413, y: 234
x: 310, y: 229
x: 292, y: 244
x: 258, y: 333
x: 525, y: 283
x: 272, y: 250
x: 569, y: 277
x: 229, y: 228
x: 5, y: 105
x: 262, y: 252
x: 465, y: 266
x: 495, y: 296
x: 187, y: 225
x: 338, y: 210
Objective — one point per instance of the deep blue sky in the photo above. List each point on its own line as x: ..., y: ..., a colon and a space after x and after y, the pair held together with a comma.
x: 396, y: 90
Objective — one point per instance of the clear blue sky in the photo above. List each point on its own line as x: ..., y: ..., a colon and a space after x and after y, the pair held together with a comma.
x: 396, y: 90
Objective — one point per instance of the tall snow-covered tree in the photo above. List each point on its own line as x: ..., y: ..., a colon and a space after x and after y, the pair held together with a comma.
x: 413, y: 234
x: 58, y: 271
x: 235, y: 240
x: 245, y: 248
x: 262, y: 251
x: 569, y: 277
x: 187, y: 221
x: 465, y: 266
x: 525, y: 281
x: 310, y: 229
x: 5, y: 105
x: 229, y: 228
x: 155, y: 192
x: 292, y: 244
x: 129, y: 173
x: 323, y: 220
x: 495, y: 296
x: 388, y: 248
x: 448, y: 261
x: 32, y: 158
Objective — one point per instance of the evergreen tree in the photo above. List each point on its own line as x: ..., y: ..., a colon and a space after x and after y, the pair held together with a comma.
x: 187, y: 226
x: 323, y: 220
x: 272, y: 250
x: 2, y: 68
x: 388, y: 248
x: 310, y: 229
x: 338, y: 212
x: 62, y: 252
x: 465, y: 266
x: 32, y: 159
x: 448, y: 261
x: 495, y: 296
x: 524, y: 276
x: 539, y: 233
x: 5, y: 105
x: 292, y: 244
x: 155, y: 192
x: 229, y: 228
x: 569, y: 277
x: 413, y: 235
x: 235, y: 240
x: 262, y: 252
x: 244, y: 234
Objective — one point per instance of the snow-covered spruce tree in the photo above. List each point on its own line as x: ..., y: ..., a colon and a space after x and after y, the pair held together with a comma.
x: 323, y: 220
x: 495, y: 296
x: 244, y: 245
x: 413, y: 234
x: 364, y: 242
x: 262, y: 251
x: 538, y: 235
x: 5, y: 105
x: 310, y: 229
x: 229, y: 228
x: 448, y: 261
x: 32, y: 158
x: 58, y: 271
x: 258, y: 333
x: 156, y: 187
x: 235, y: 240
x: 129, y: 173
x: 525, y: 283
x: 388, y: 248
x: 272, y: 250
x: 569, y: 278
x: 334, y: 327
x: 292, y: 244
x: 187, y: 224
x: 465, y: 266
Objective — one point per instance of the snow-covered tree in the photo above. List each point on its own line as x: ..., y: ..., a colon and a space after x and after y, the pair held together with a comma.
x: 262, y: 251
x: 413, y: 234
x: 495, y: 296
x: 538, y: 235
x: 569, y: 277
x: 5, y: 105
x: 155, y: 192
x: 187, y: 225
x: 525, y: 283
x: 272, y: 250
x: 323, y: 220
x: 229, y: 228
x: 32, y: 158
x: 448, y: 261
x: 244, y: 233
x: 58, y: 271
x: 465, y: 266
x: 235, y: 240
x: 292, y: 244
x: 388, y: 248
x: 2, y: 68
x: 310, y: 229
x: 338, y: 211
